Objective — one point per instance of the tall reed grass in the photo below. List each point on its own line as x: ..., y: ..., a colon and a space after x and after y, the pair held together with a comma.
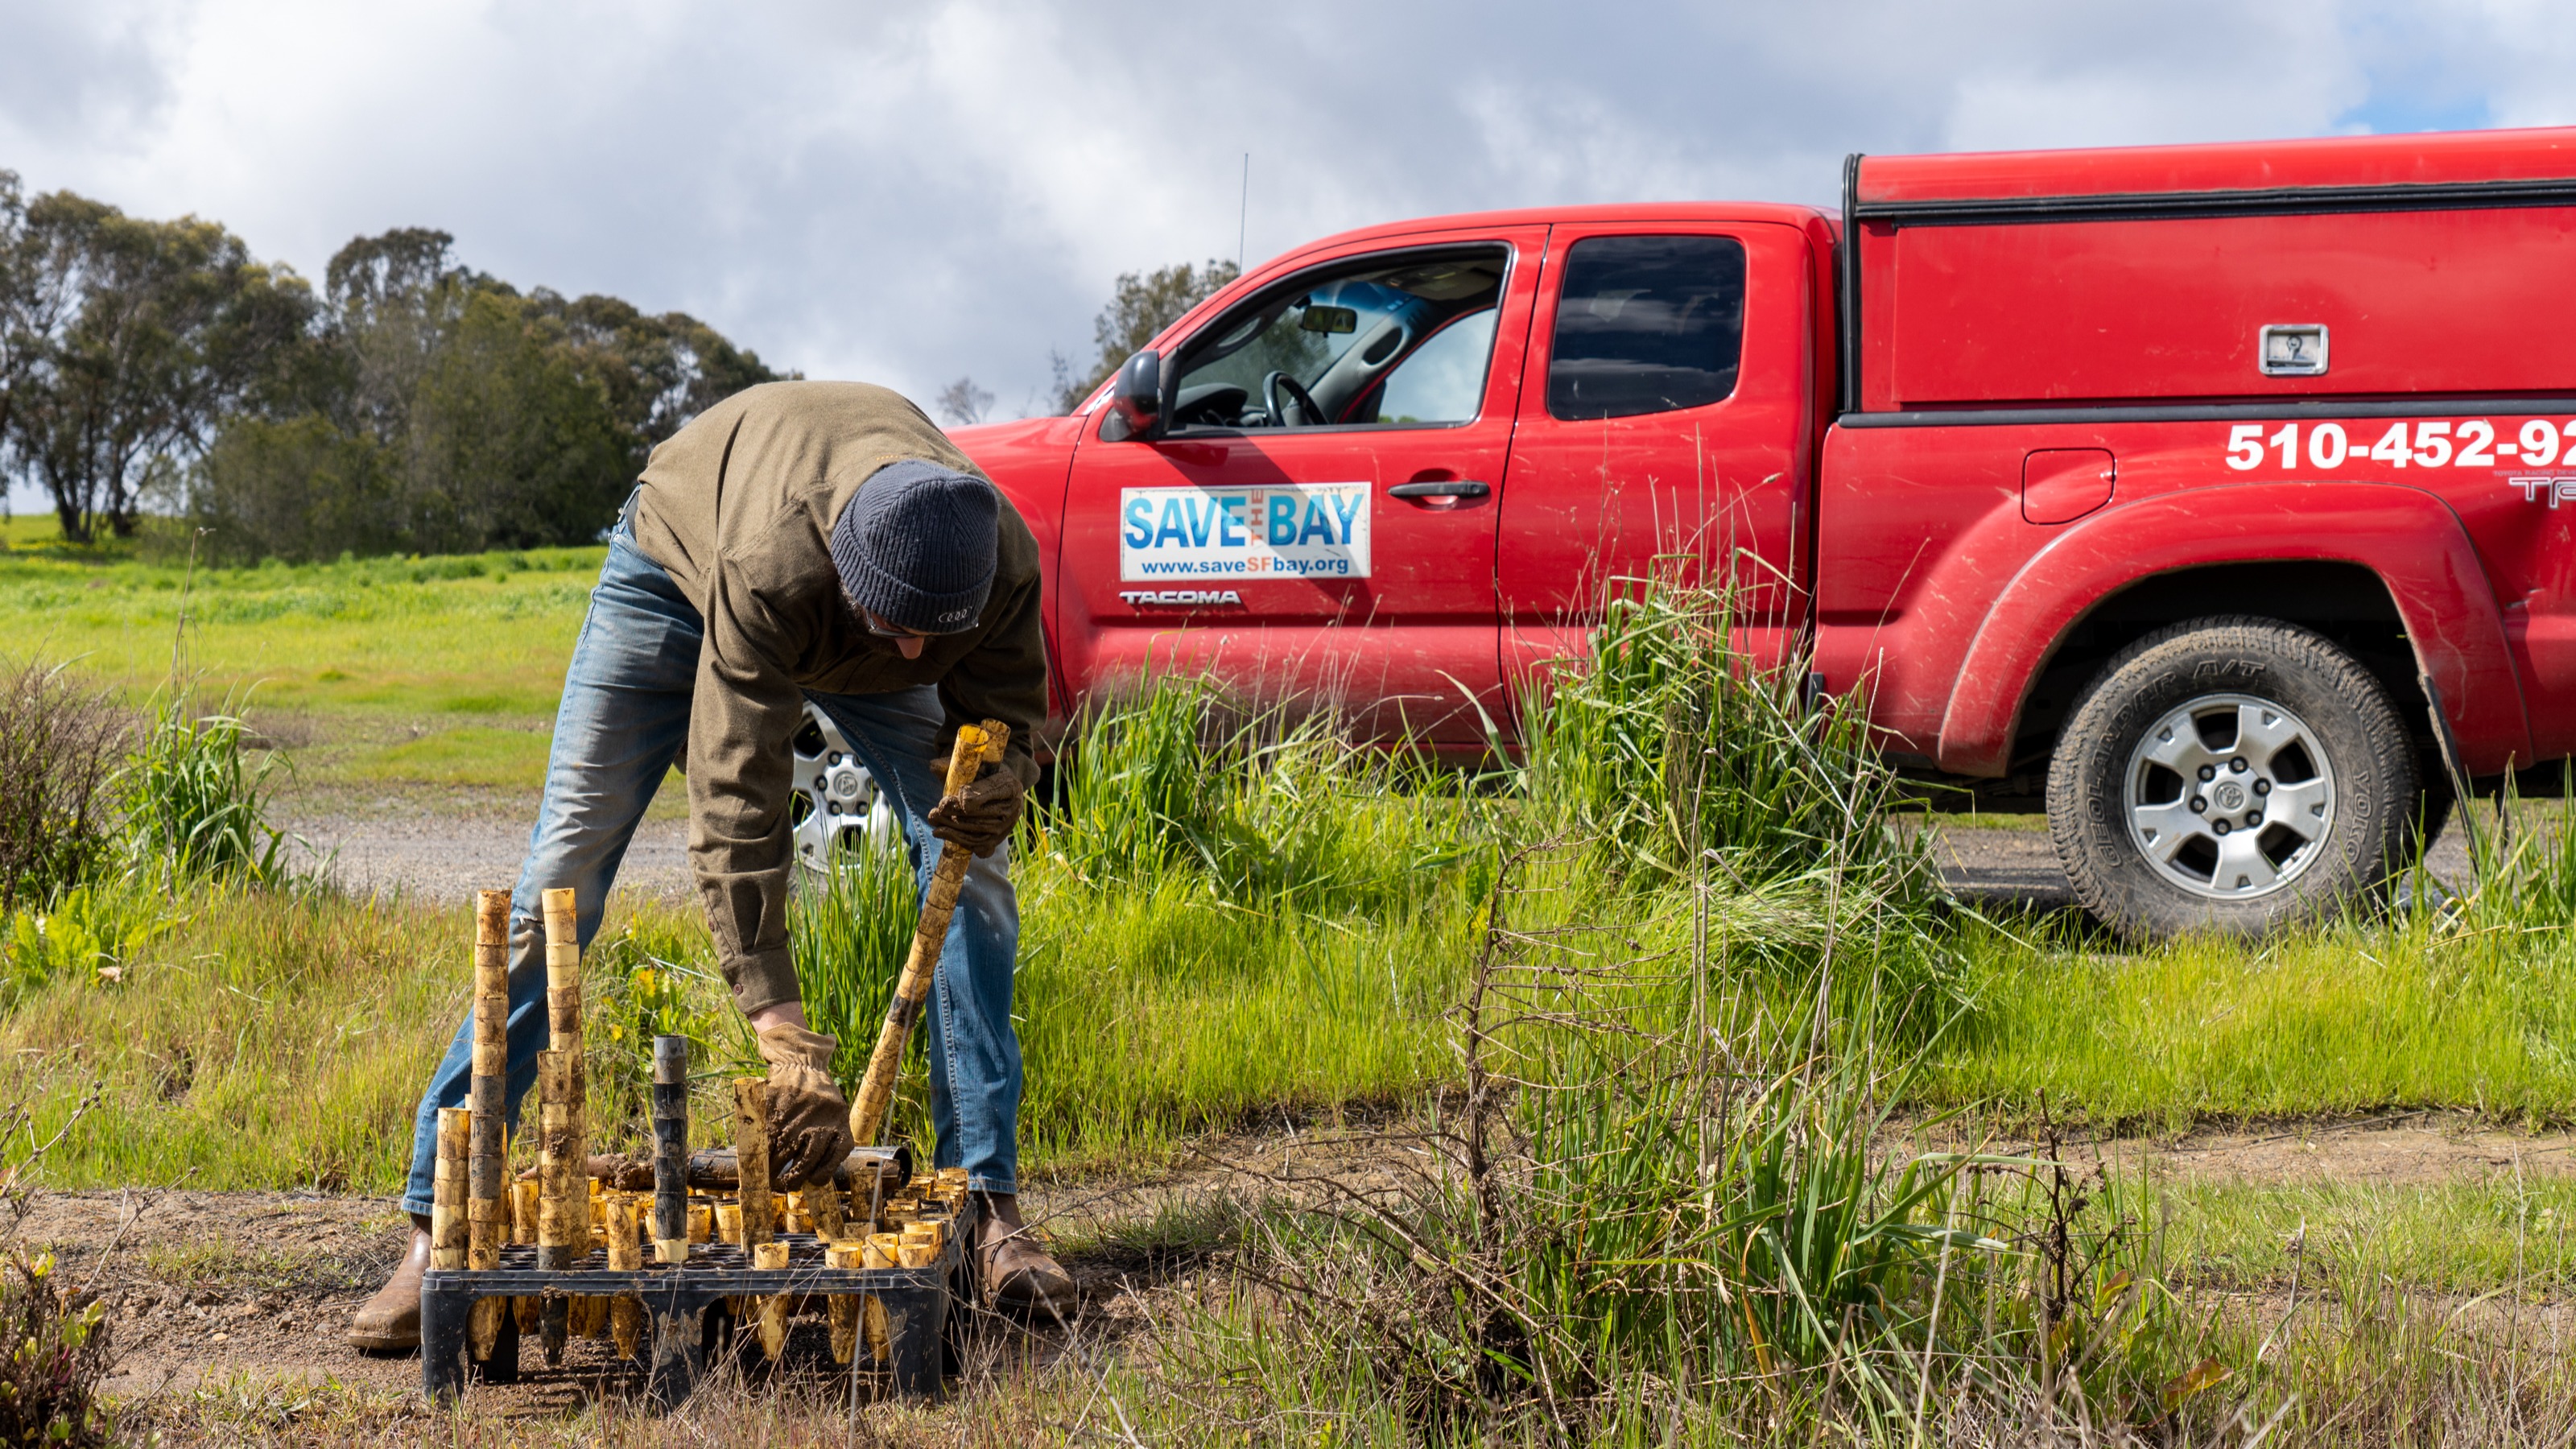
x: 1273, y: 808
x: 195, y: 803
x: 1685, y: 771
x: 1673, y: 756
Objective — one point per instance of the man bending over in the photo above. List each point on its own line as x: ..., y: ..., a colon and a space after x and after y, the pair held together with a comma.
x: 799, y: 541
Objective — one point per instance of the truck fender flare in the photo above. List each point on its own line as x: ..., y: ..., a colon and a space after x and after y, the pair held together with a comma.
x: 2410, y: 539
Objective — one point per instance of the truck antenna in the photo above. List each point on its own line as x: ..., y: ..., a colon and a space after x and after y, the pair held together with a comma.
x: 1243, y: 213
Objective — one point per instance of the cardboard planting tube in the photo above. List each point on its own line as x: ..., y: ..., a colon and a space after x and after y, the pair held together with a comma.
x: 523, y: 1212
x: 483, y: 1326
x: 563, y: 971
x: 773, y: 1309
x: 487, y: 1205
x: 563, y: 1036
x: 876, y: 1252
x: 447, y: 1239
x: 866, y: 1172
x: 973, y: 748
x: 624, y: 1234
x: 842, y: 1309
x: 729, y: 1222
x: 702, y: 1222
x: 554, y: 1326
x: 823, y: 1204
x: 556, y: 1226
x: 625, y: 1254
x: 670, y: 1137
x: 751, y: 1156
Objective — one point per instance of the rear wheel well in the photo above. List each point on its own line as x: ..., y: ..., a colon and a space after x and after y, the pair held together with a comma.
x: 2345, y: 602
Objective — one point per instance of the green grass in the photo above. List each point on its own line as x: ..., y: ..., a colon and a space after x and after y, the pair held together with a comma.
x: 2510, y: 1232
x: 275, y: 1040
x: 471, y: 648
x: 480, y: 755
x: 1228, y: 920
x: 2347, y: 1019
x: 478, y: 635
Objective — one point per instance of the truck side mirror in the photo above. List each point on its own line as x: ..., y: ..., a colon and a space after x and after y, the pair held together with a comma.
x: 1136, y: 400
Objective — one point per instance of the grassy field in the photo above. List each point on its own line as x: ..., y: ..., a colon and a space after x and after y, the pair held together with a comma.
x: 1227, y: 928
x: 434, y: 672
x: 1217, y: 998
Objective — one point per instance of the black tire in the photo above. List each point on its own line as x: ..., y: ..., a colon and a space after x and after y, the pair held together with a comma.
x: 2326, y: 748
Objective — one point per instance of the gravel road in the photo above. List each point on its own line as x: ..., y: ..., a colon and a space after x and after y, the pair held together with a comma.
x: 442, y: 857
x: 423, y: 852
x: 2019, y: 868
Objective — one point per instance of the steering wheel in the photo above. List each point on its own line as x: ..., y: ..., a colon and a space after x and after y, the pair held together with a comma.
x: 1279, y: 382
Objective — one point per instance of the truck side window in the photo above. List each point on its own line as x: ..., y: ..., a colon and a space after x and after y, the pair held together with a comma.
x: 1647, y: 324
x: 1333, y: 347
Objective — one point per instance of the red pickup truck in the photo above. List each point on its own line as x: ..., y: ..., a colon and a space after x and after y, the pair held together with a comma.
x: 2209, y: 497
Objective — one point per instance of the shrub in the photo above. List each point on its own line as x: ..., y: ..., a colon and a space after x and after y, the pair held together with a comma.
x: 56, y: 1355
x: 58, y: 744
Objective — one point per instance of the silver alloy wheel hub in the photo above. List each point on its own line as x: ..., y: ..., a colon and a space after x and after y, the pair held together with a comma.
x: 2229, y: 797
x: 838, y: 805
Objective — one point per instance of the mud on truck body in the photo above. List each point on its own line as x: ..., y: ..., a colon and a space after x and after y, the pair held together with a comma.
x: 2216, y: 499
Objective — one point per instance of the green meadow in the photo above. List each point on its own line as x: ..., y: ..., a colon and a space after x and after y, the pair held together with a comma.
x: 1243, y: 922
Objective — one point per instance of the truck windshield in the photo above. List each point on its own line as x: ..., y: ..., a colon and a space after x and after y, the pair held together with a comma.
x: 1336, y: 347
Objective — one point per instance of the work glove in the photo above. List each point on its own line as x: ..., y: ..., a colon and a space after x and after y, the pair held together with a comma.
x: 981, y: 816
x: 809, y: 1119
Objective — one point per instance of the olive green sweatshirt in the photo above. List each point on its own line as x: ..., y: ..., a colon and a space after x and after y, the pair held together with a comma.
x: 738, y: 507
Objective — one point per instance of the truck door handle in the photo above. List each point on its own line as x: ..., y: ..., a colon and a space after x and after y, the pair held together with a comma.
x: 1441, y: 488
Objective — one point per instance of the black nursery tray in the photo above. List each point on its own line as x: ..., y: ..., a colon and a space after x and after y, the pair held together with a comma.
x: 686, y: 1311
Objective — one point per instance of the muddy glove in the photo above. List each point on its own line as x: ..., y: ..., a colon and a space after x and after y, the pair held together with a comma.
x: 809, y: 1119
x: 980, y: 817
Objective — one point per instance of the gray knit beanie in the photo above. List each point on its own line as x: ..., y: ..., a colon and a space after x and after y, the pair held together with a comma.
x: 916, y: 545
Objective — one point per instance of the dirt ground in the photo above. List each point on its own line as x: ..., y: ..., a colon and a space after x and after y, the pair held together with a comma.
x: 210, y: 1288
x: 206, y: 1289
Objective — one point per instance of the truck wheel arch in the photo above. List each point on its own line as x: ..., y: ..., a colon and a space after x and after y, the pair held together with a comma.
x: 2408, y: 540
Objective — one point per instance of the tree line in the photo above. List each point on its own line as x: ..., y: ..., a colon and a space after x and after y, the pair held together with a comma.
x: 158, y: 370
x: 412, y: 405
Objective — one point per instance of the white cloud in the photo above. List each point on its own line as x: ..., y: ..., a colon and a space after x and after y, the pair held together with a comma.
x: 911, y: 193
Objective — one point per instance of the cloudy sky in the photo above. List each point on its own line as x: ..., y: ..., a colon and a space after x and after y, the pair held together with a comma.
x: 908, y: 193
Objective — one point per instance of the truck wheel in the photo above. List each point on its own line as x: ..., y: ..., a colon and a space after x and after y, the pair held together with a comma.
x: 2230, y: 774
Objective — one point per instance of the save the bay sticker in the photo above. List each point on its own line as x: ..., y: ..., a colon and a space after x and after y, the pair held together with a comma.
x: 1277, y: 531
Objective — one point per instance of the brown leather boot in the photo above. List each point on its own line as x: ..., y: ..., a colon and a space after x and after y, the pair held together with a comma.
x: 390, y: 1321
x: 1017, y: 1271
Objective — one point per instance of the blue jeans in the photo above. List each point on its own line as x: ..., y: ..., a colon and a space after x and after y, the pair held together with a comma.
x: 623, y: 722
